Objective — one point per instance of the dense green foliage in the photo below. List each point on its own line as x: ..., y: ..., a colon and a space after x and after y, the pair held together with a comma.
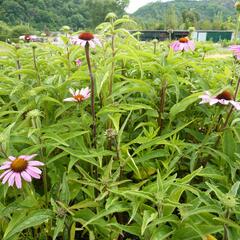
x: 50, y: 14
x: 164, y: 167
x: 181, y: 14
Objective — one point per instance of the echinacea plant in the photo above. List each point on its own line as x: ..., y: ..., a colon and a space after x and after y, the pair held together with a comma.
x: 18, y: 168
x: 183, y: 44
x: 84, y: 38
x: 224, y: 98
x: 236, y: 51
x: 78, y: 95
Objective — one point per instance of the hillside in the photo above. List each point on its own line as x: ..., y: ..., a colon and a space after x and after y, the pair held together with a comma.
x: 53, y: 14
x: 182, y: 14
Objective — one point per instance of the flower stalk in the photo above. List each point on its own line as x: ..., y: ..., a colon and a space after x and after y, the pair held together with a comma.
x: 35, y: 65
x: 94, y: 131
x: 232, y: 107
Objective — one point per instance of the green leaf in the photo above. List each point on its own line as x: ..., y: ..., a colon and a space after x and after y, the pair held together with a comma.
x: 21, y: 221
x: 183, y: 104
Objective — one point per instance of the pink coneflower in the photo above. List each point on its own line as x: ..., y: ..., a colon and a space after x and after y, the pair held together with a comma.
x: 183, y: 44
x: 223, y: 98
x: 78, y: 62
x: 86, y: 37
x: 20, y: 167
x: 78, y: 95
x: 236, y: 51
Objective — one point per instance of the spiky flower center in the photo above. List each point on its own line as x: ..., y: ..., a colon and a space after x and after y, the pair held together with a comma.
x: 226, y: 95
x: 183, y: 40
x: 19, y: 165
x: 87, y: 36
x: 79, y: 97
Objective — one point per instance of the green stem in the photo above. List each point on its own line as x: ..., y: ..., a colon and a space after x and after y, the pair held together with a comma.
x: 113, y: 65
x: 35, y: 66
x: 237, y: 29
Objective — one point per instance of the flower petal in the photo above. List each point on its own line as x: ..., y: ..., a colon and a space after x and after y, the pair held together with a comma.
x: 4, y: 173
x: 33, y: 174
x: 11, y: 179
x: 35, y: 169
x: 236, y: 104
x: 35, y: 163
x: 6, y: 177
x: 5, y: 166
x: 70, y: 100
x: 28, y: 157
x: 11, y: 158
x: 18, y: 180
x: 26, y: 176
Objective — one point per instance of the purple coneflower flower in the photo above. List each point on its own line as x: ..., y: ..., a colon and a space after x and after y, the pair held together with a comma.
x: 84, y: 38
x: 236, y: 51
x: 20, y: 167
x: 78, y: 95
x: 78, y: 62
x: 183, y: 44
x: 223, y: 98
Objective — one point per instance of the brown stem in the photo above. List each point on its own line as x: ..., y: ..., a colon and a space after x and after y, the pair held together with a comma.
x: 232, y: 107
x: 18, y: 68
x: 94, y: 132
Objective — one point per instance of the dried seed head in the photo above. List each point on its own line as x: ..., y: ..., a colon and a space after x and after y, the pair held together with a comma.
x: 110, y: 133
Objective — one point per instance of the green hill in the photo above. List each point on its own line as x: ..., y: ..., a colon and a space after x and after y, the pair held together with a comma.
x: 203, y: 14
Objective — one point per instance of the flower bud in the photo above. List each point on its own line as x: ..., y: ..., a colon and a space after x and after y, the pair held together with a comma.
x: 111, y: 16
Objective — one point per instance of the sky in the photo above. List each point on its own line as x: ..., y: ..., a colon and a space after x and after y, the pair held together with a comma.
x: 135, y: 4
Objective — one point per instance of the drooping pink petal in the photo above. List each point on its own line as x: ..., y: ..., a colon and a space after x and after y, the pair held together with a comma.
x: 97, y: 41
x: 236, y: 104
x: 11, y: 179
x: 18, y: 180
x: 83, y: 43
x: 223, y: 101
x: 26, y: 176
x: 6, y: 177
x: 191, y: 45
x: 213, y: 101
x: 35, y: 163
x: 35, y: 169
x: 92, y: 44
x: 5, y: 166
x: 33, y: 174
x: 4, y: 173
x: 71, y: 99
